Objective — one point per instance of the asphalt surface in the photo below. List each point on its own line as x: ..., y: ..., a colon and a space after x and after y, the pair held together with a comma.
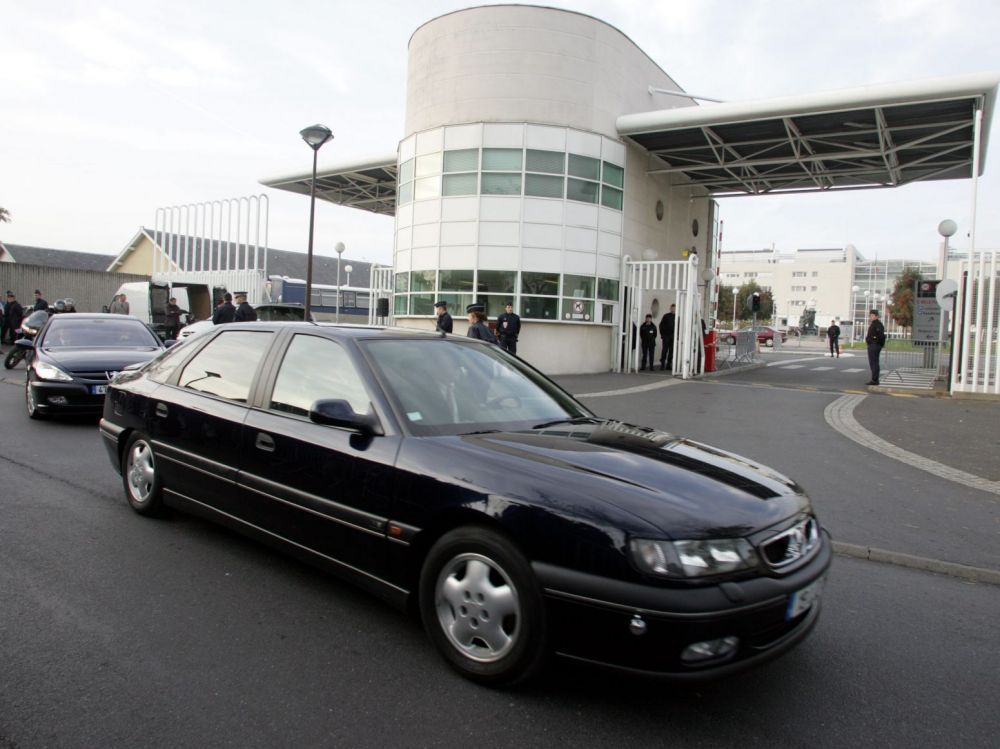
x: 116, y: 630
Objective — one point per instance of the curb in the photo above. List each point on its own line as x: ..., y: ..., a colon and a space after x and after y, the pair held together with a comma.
x: 952, y: 569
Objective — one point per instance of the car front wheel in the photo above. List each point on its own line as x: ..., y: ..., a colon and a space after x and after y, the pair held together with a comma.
x: 140, y: 478
x: 482, y: 607
x: 31, y: 401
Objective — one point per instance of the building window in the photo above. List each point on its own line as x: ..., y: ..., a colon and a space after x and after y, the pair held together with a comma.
x: 584, y: 192
x: 798, y: 274
x: 402, y: 283
x: 459, y: 184
x: 496, y: 281
x: 543, y: 284
x: 500, y: 184
x: 539, y: 308
x: 607, y: 288
x: 422, y: 280
x: 750, y: 274
x: 456, y: 280
x: 544, y: 186
x: 502, y: 159
x: 584, y: 167
x: 547, y: 162
x: 578, y: 287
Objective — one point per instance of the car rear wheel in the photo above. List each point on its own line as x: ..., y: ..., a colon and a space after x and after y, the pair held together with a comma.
x: 482, y: 607
x: 768, y: 341
x: 140, y: 478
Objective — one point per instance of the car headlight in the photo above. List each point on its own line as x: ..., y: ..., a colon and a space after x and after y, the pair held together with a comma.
x: 680, y: 559
x: 49, y: 372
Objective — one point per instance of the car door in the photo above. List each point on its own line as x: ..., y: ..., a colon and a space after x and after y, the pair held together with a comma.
x: 196, y: 419
x: 326, y: 488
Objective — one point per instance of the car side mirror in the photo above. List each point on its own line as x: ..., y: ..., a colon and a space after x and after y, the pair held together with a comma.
x: 170, y: 342
x: 338, y: 413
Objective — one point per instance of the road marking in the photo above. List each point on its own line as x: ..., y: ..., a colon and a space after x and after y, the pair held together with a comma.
x: 822, y: 369
x: 628, y: 391
x: 794, y: 366
x: 840, y: 416
x: 793, y: 361
x: 858, y: 369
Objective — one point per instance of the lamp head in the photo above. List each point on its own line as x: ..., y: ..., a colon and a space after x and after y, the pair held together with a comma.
x: 316, y: 135
x: 339, y: 247
x: 947, y: 228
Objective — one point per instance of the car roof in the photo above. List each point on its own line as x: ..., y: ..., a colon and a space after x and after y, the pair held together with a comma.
x: 347, y: 330
x: 93, y: 316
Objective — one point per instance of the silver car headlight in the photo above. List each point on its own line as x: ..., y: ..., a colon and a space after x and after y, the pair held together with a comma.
x: 49, y: 372
x: 682, y: 559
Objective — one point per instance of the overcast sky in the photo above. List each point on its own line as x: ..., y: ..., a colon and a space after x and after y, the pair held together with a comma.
x: 109, y: 110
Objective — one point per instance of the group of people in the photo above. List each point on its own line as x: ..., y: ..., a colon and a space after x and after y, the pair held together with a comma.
x: 228, y: 312
x: 647, y: 337
x: 12, y: 313
x: 508, y: 326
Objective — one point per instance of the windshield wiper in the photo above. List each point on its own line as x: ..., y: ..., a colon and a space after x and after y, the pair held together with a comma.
x: 481, y: 431
x: 577, y: 420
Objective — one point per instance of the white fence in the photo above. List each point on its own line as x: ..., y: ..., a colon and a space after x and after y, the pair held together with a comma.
x: 217, y: 242
x: 975, y: 362
x: 642, y: 279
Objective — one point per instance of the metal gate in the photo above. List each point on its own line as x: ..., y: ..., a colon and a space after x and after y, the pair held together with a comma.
x: 380, y: 284
x: 641, y: 278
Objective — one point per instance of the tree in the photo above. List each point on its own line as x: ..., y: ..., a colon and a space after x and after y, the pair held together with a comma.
x: 743, y: 313
x: 4, y: 215
x: 901, y: 305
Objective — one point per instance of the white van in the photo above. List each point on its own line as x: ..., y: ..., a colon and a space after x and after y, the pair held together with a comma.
x: 147, y: 301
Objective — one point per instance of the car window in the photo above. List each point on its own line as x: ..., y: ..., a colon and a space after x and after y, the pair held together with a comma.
x: 93, y: 333
x: 160, y: 368
x: 226, y: 366
x: 313, y: 369
x: 284, y: 314
x: 444, y: 387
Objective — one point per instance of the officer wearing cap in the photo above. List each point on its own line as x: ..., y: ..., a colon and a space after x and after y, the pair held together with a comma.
x: 444, y: 321
x: 508, y: 328
x: 477, y: 323
x: 225, y: 312
x: 244, y: 312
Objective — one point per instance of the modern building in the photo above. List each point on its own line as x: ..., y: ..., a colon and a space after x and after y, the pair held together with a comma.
x: 547, y: 160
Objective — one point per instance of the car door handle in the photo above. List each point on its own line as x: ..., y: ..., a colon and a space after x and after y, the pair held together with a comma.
x: 264, y: 442
x: 161, y: 410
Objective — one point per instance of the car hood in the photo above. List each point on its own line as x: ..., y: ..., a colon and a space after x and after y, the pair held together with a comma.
x: 684, y: 488
x: 90, y: 360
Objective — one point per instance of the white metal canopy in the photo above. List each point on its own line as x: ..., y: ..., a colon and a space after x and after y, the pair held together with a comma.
x: 873, y: 136
x: 368, y: 184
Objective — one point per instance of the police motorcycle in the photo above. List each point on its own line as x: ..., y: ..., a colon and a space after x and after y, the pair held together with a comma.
x: 24, y: 346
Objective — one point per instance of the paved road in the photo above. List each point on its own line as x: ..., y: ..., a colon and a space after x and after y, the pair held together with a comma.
x: 121, y: 631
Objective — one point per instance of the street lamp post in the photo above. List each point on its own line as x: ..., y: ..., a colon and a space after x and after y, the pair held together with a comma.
x: 314, y: 136
x: 735, y: 292
x: 339, y: 247
x: 347, y: 270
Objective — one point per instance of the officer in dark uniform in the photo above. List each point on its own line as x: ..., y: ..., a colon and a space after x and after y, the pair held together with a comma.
x: 225, y: 312
x: 667, y: 334
x: 244, y: 312
x: 508, y: 328
x: 477, y: 323
x: 647, y: 335
x: 444, y: 321
x: 875, y: 338
x: 174, y: 313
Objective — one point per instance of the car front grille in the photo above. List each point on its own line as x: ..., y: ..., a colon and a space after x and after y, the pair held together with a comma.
x: 99, y: 377
x: 791, y: 545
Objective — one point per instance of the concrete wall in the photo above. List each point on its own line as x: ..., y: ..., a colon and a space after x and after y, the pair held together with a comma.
x: 91, y: 290
x: 552, y: 348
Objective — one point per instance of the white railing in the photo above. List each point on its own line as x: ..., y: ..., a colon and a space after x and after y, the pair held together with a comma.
x: 216, y: 242
x: 975, y: 361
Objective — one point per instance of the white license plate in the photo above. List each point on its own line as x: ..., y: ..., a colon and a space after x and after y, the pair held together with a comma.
x: 98, y: 389
x: 802, y: 600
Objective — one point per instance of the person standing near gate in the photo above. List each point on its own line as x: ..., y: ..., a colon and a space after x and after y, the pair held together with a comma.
x: 833, y: 333
x: 444, y: 321
x: 508, y: 328
x: 13, y: 314
x: 647, y: 336
x: 667, y: 334
x: 875, y: 338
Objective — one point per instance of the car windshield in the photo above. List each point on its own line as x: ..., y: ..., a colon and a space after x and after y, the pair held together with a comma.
x: 119, y: 332
x: 441, y: 387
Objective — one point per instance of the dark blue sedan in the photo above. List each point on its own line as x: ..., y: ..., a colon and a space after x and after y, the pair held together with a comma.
x: 76, y: 355
x: 450, y: 477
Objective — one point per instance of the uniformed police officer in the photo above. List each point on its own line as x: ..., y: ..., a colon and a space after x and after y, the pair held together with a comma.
x: 244, y: 312
x: 477, y: 323
x: 444, y: 321
x: 508, y: 328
